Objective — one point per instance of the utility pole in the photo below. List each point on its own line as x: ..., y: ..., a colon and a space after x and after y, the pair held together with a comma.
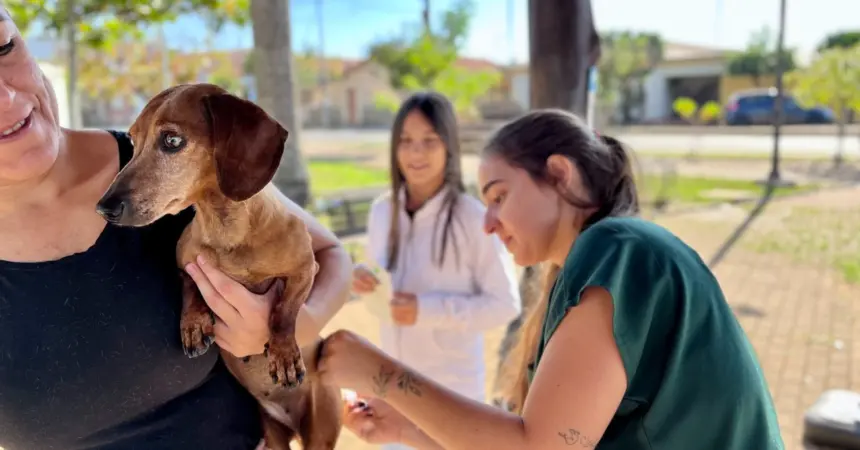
x: 322, y: 67
x: 775, y: 178
x: 72, y: 97
x: 511, y: 41
x: 425, y: 15
x: 166, y: 74
x: 563, y: 46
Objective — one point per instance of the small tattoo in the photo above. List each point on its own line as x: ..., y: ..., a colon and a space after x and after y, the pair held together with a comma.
x: 409, y: 384
x: 574, y: 437
x: 381, y: 380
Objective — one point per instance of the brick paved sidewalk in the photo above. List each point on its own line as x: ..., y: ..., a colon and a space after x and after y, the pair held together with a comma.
x: 785, y: 279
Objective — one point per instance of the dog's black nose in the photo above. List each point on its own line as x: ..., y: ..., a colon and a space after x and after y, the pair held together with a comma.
x: 111, y: 208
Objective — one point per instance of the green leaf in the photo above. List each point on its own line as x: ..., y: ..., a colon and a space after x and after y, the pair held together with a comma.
x: 832, y: 79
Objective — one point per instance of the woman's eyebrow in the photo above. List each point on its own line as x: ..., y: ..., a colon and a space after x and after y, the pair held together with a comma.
x: 489, y: 185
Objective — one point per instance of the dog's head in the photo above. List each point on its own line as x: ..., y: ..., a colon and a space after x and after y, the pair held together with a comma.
x: 193, y: 142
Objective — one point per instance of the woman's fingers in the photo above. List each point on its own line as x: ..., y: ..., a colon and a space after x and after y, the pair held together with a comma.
x: 220, y: 306
x: 362, y: 286
x: 363, y: 281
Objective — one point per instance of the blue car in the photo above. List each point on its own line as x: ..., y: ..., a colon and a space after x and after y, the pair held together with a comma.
x: 756, y: 107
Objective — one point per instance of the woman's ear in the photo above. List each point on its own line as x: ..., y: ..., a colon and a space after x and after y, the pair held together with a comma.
x: 566, y: 177
x: 562, y: 172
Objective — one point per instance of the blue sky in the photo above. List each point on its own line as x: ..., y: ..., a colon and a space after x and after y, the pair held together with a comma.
x: 351, y: 25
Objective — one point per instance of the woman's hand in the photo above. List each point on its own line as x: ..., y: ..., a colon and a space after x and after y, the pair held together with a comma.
x: 375, y: 422
x: 404, y: 308
x: 242, y: 322
x: 363, y: 280
x: 351, y: 362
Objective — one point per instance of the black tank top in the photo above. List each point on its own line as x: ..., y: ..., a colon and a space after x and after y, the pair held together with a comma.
x: 90, y: 355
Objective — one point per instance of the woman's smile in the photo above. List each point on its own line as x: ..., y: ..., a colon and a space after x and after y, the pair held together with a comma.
x: 16, y: 129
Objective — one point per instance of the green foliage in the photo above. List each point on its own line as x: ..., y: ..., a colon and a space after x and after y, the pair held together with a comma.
x: 760, y: 58
x: 842, y: 39
x: 685, y: 107
x: 102, y: 23
x: 136, y: 70
x: 710, y: 112
x: 428, y: 61
x: 627, y: 57
x: 464, y: 87
x: 832, y: 79
x: 419, y: 59
x: 386, y: 101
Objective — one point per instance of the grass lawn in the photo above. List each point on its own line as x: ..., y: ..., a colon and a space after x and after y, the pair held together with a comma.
x: 334, y: 176
x: 815, y: 236
x: 683, y: 189
x: 330, y: 177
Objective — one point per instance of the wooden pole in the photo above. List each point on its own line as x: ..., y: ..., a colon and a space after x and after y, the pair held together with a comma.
x: 563, y: 45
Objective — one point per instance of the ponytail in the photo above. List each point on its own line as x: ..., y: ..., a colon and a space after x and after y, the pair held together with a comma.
x: 621, y: 198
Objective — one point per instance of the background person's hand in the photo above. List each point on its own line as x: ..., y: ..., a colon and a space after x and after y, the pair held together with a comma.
x: 404, y: 308
x: 375, y: 422
x: 242, y: 317
x: 363, y: 280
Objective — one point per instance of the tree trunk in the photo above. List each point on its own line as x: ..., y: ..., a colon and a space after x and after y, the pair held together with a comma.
x: 840, y: 140
x: 563, y: 46
x: 273, y: 67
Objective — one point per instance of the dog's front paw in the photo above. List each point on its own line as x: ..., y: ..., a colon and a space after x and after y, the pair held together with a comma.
x: 286, y: 366
x: 197, y: 332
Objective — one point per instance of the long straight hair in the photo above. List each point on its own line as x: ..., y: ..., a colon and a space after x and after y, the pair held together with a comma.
x: 440, y: 113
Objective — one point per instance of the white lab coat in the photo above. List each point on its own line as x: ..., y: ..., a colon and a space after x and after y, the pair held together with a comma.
x: 457, y: 303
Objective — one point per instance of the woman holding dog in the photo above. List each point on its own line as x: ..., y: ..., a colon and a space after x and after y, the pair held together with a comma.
x: 90, y: 352
x: 632, y: 347
x: 451, y: 282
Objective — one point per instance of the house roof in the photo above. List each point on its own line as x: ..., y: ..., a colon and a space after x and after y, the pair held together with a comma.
x: 676, y: 51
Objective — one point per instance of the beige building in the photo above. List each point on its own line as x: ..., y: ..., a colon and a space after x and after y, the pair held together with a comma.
x: 351, y: 100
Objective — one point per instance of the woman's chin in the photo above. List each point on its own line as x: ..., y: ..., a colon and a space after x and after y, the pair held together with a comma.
x: 27, y: 165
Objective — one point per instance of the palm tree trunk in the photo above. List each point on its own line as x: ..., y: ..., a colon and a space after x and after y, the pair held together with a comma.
x: 273, y: 67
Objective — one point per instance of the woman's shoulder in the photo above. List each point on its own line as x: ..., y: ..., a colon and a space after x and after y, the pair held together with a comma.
x: 629, y: 251
x: 630, y: 235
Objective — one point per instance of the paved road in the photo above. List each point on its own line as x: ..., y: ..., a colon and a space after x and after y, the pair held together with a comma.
x: 799, y: 145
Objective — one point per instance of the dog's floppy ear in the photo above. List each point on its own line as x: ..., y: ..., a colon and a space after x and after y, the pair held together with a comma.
x: 248, y: 144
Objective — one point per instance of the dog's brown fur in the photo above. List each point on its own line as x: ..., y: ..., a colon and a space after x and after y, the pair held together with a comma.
x: 229, y: 152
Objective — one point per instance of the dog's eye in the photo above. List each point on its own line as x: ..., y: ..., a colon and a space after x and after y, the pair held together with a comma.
x: 172, y: 142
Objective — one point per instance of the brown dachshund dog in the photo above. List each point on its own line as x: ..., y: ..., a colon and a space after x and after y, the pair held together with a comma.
x: 198, y: 145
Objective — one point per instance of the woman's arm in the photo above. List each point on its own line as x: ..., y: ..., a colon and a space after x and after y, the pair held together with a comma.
x: 577, y: 388
x: 331, y: 285
x: 496, y: 303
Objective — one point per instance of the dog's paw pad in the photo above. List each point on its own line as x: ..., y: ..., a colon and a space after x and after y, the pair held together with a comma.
x: 286, y: 366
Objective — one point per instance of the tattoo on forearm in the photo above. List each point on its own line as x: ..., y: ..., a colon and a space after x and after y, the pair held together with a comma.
x: 574, y: 437
x: 409, y: 384
x: 381, y: 380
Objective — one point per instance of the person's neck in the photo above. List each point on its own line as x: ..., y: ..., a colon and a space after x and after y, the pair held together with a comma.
x: 41, y: 190
x: 417, y: 196
x: 562, y: 243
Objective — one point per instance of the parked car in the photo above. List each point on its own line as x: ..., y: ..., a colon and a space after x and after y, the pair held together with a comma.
x: 756, y: 107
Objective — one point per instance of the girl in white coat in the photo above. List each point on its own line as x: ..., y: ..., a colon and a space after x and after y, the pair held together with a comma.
x: 451, y: 281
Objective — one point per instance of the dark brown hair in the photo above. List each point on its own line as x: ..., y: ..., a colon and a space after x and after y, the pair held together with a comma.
x: 607, y: 175
x: 604, y: 164
x: 440, y: 113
